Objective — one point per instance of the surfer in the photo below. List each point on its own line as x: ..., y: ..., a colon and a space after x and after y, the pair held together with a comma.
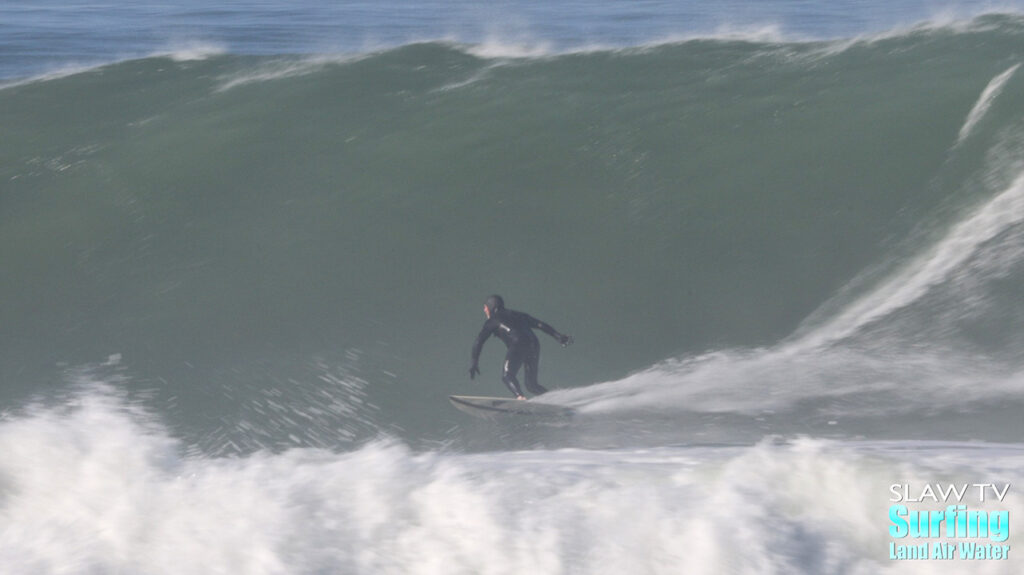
x: 515, y: 328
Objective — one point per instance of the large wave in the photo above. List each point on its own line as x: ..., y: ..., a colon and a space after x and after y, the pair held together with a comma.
x: 730, y: 224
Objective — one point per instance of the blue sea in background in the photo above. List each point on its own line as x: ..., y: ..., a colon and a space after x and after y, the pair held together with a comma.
x: 244, y: 250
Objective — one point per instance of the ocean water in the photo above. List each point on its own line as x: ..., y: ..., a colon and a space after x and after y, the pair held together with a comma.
x: 244, y: 251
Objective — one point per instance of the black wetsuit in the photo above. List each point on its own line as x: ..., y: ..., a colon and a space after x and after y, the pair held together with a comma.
x: 515, y: 328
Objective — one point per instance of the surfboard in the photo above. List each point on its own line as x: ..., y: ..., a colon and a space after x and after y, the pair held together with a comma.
x: 491, y: 407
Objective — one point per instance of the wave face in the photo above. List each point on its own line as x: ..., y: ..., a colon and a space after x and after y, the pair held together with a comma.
x: 827, y: 232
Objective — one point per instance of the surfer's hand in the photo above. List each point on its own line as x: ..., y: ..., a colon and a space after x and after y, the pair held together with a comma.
x: 565, y: 340
x: 473, y: 371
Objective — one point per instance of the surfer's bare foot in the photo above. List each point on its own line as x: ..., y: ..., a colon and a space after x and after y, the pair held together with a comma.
x: 523, y: 397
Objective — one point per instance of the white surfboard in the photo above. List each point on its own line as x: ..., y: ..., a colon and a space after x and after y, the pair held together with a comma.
x: 490, y: 407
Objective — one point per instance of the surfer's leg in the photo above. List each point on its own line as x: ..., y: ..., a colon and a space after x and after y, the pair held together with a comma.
x: 508, y: 373
x: 531, y: 365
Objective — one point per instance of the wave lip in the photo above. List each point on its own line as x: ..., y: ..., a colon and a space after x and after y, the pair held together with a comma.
x: 191, y: 51
x: 65, y: 71
x: 533, y: 46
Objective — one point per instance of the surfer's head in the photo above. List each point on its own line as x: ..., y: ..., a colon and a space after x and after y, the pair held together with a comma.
x: 493, y: 304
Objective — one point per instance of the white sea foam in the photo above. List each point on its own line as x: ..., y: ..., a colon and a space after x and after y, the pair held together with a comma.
x: 92, y: 487
x: 495, y: 48
x: 988, y: 95
x: 269, y: 72
x: 191, y: 51
x: 840, y: 383
x: 280, y: 69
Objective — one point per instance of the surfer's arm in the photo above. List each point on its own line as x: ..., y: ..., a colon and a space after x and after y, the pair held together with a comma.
x: 546, y: 328
x: 478, y: 346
